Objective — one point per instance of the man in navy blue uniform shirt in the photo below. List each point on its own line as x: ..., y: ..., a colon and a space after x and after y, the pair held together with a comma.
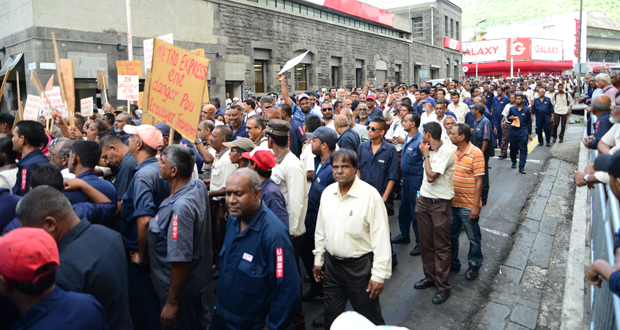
x: 179, y: 139
x: 482, y: 138
x: 140, y: 204
x: 258, y: 272
x: 543, y: 109
x: 497, y: 106
x: 28, y: 138
x: 26, y: 280
x: 601, y: 107
x: 323, y: 144
x: 83, y: 158
x: 237, y: 125
x: 92, y: 256
x: 520, y: 119
x: 116, y: 154
x: 178, y: 251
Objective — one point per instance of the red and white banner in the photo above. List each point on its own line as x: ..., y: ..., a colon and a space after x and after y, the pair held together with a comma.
x: 452, y: 44
x: 359, y: 9
x: 521, y: 48
x: 547, y: 50
x: 485, y: 51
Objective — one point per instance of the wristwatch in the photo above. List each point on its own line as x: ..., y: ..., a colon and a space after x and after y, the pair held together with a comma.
x: 585, y: 179
x: 198, y: 141
x: 424, y: 157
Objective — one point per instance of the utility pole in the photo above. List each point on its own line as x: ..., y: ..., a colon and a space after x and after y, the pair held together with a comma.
x: 579, y: 45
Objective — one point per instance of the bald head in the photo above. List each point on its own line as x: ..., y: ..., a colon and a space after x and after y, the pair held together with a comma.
x: 601, y: 103
x: 271, y: 113
x: 341, y: 121
x: 243, y: 194
x: 477, y: 99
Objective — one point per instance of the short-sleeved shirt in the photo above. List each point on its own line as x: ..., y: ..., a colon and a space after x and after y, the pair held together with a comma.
x: 442, y: 162
x: 104, y: 187
x: 274, y: 200
x: 25, y: 165
x: 483, y: 131
x: 543, y: 107
x: 176, y: 234
x: 361, y: 130
x: 460, y: 111
x: 411, y: 162
x: 143, y: 197
x: 124, y: 175
x: 498, y: 105
x: 525, y: 121
x: 378, y: 168
x: 612, y: 137
x: 349, y: 140
x: 466, y: 168
x: 61, y: 310
x: 220, y: 170
x: 93, y: 261
x: 376, y: 112
x: 241, y: 132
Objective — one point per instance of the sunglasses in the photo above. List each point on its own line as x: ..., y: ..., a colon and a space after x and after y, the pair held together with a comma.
x: 374, y: 129
x: 247, y: 128
x: 327, y: 109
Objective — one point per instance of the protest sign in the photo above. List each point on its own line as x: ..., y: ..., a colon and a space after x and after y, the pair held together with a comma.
x: 291, y: 64
x: 31, y: 110
x: 55, y: 99
x: 200, y: 52
x: 127, y: 88
x: 176, y: 88
x: 86, y: 106
x: 6, y: 76
x: 129, y: 68
x: 50, y: 83
x: 66, y: 67
x: 148, y: 49
x: 205, y: 96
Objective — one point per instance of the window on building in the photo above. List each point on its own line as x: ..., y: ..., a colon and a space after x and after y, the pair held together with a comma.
x: 458, y: 31
x: 446, y: 30
x: 434, y: 73
x: 418, y: 27
x: 359, y: 73
x: 416, y: 74
x: 259, y: 76
x: 301, y: 77
x: 397, y: 75
x: 380, y: 71
x: 448, y: 71
x: 336, y: 63
x: 457, y: 70
x: 451, y: 28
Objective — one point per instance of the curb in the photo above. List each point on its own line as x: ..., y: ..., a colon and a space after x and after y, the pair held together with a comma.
x: 574, y: 285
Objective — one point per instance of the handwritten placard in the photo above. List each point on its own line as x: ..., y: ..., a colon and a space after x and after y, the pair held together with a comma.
x: 127, y: 88
x: 129, y: 68
x: 177, y: 85
x: 56, y: 100
x: 148, y: 50
x: 86, y: 106
x: 31, y: 110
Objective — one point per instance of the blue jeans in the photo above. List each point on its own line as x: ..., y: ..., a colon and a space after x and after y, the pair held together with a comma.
x: 460, y: 217
x: 406, y: 213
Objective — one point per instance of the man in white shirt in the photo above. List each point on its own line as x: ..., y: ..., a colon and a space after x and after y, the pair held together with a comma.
x: 562, y: 105
x: 352, y: 243
x: 59, y: 156
x: 361, y: 130
x: 222, y: 166
x: 459, y: 108
x: 256, y: 127
x: 429, y: 114
x: 327, y: 109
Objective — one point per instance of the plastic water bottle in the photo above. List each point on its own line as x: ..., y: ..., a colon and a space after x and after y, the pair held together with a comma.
x: 418, y: 194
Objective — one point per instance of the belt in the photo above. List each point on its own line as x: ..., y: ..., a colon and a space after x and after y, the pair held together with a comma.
x: 435, y: 200
x: 347, y: 260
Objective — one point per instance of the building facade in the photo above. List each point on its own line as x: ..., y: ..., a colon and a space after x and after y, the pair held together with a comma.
x: 247, y: 41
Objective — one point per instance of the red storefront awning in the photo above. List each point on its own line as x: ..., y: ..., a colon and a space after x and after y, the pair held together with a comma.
x: 524, y: 67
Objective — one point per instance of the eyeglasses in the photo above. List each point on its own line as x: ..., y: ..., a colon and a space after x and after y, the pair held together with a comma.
x: 374, y: 129
x: 327, y: 109
x: 247, y: 128
x: 362, y: 110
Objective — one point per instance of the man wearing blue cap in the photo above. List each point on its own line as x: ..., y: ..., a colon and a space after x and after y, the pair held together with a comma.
x: 429, y: 114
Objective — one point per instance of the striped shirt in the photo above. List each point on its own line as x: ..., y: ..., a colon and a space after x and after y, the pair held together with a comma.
x: 466, y: 168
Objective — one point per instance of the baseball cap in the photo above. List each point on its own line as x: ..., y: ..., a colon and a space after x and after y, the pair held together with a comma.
x: 429, y: 100
x: 244, y: 143
x: 372, y: 97
x: 150, y: 135
x: 165, y: 130
x: 324, y: 89
x: 326, y: 135
x: 608, y: 163
x: 7, y: 118
x: 264, y: 159
x: 278, y: 127
x: 24, y: 250
x: 301, y: 96
x: 479, y: 106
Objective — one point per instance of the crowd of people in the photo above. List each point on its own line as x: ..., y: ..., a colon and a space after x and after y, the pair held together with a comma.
x: 111, y: 223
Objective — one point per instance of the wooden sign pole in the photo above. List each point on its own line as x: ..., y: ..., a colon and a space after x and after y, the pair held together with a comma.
x: 61, y: 82
x: 39, y: 87
x: 6, y: 76
x: 69, y: 111
x: 20, y: 112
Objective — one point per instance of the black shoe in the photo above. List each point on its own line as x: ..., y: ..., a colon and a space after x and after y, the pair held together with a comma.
x: 514, y: 165
x: 484, y: 203
x: 394, y: 261
x: 455, y: 269
x: 319, y: 321
x: 561, y: 140
x: 307, y: 279
x: 415, y: 251
x: 311, y: 294
x: 472, y: 274
x: 390, y: 212
x: 441, y: 297
x: 548, y: 144
x: 423, y: 284
x: 540, y: 144
x: 400, y: 239
x: 553, y: 140
x: 502, y: 156
x: 521, y: 170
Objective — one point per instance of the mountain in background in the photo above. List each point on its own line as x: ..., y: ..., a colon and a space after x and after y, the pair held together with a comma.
x: 504, y: 11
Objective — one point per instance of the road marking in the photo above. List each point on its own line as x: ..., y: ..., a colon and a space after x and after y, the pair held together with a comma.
x: 530, y: 146
x: 492, y: 231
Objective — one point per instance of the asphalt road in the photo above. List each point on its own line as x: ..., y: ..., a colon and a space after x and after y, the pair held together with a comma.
x: 404, y: 306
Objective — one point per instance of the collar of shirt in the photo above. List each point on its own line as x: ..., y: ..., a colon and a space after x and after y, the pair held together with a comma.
x: 413, y: 138
x: 353, y: 191
x: 467, y: 151
x: 319, y: 166
x: 186, y: 189
x: 72, y: 234
x: 31, y: 155
x: 86, y: 174
x: 265, y: 183
x: 280, y: 158
x: 41, y: 309
x: 255, y: 224
x: 146, y: 162
x: 383, y: 146
x: 221, y: 153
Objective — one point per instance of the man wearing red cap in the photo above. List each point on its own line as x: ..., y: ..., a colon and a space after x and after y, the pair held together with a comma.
x: 140, y: 204
x: 372, y: 110
x: 28, y: 262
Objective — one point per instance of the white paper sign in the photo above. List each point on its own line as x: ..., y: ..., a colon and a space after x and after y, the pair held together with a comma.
x: 547, y: 50
x: 31, y: 109
x: 128, y: 88
x: 291, y: 64
x: 56, y: 100
x: 148, y: 50
x: 86, y: 106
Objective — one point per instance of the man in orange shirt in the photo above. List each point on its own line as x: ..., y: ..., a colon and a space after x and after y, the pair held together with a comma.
x: 467, y: 179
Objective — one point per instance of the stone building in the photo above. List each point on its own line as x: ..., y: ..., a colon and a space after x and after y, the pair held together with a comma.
x: 247, y: 41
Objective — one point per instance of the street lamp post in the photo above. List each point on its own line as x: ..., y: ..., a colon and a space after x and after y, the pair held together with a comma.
x: 481, y: 21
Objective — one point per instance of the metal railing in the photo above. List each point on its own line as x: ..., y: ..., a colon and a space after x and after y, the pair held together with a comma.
x: 605, y: 221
